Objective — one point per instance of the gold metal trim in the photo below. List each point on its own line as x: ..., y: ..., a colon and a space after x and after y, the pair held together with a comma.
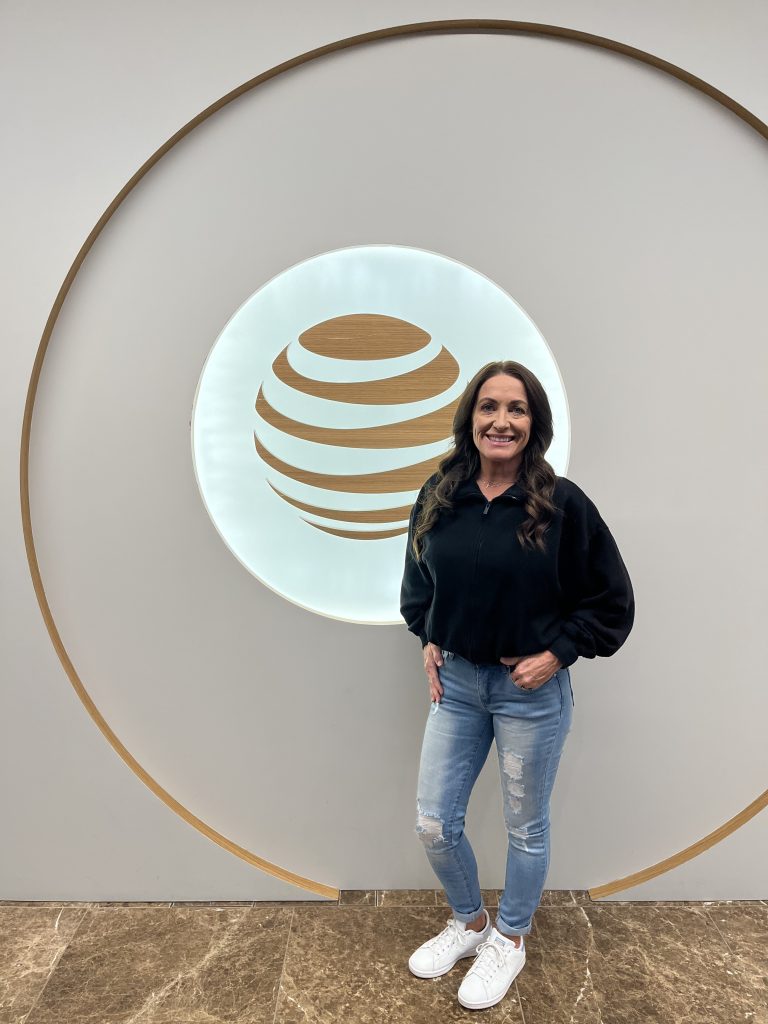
x: 452, y: 27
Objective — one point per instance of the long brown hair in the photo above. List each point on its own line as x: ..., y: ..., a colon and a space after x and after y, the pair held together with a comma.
x: 536, y: 476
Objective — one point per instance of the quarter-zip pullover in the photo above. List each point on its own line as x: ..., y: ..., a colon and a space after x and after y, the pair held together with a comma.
x: 478, y: 592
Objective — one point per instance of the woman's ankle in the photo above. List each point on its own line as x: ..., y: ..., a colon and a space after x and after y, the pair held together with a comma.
x: 479, y: 923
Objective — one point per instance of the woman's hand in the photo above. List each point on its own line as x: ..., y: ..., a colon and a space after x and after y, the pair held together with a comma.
x: 433, y: 659
x: 533, y: 670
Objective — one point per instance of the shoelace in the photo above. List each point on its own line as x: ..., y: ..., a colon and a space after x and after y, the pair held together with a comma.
x: 490, y: 957
x: 447, y: 937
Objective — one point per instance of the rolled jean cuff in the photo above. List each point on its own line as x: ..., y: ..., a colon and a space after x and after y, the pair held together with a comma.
x: 467, y: 918
x: 510, y: 929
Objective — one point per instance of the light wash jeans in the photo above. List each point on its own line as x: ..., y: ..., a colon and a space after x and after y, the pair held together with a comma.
x: 481, y: 703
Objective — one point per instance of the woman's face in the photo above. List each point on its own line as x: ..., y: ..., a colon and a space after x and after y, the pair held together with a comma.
x: 501, y: 422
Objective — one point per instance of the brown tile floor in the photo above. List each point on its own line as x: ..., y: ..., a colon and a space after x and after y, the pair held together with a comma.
x: 291, y: 963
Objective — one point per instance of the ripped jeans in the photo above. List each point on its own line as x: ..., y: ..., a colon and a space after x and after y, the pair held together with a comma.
x: 481, y: 703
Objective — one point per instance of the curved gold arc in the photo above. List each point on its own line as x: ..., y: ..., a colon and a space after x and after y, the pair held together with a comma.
x: 726, y: 829
x: 463, y: 26
x: 427, y: 381
x: 320, y: 888
x: 429, y: 429
x: 356, y: 535
x: 376, y: 515
x: 408, y: 478
x: 364, y: 336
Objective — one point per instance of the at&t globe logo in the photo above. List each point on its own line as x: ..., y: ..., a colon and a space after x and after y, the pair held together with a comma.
x: 326, y: 402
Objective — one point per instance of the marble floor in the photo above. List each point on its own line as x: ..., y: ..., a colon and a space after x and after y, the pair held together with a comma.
x: 616, y: 963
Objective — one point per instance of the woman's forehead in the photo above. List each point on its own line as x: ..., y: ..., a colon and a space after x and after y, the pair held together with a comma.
x: 502, y: 388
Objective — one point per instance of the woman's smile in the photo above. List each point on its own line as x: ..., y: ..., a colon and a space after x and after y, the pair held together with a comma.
x: 499, y: 440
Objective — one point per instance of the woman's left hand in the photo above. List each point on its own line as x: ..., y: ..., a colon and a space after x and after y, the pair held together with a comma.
x: 533, y: 670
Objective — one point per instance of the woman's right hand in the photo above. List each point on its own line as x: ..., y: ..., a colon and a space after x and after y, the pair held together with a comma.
x: 433, y: 659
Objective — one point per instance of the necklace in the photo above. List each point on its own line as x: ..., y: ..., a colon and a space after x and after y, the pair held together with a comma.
x: 503, y: 483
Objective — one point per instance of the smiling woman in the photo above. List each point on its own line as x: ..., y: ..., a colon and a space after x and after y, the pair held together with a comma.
x: 505, y: 589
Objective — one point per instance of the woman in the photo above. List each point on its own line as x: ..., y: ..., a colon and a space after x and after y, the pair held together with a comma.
x: 510, y: 576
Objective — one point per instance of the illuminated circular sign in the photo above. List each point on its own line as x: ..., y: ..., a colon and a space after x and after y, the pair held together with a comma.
x: 327, y: 401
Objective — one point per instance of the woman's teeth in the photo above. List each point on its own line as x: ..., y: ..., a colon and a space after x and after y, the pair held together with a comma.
x: 499, y: 438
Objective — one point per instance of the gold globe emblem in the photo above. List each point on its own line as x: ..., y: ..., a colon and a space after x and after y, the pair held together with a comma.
x: 358, y: 338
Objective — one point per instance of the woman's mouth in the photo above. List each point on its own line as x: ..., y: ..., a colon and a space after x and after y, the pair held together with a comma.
x: 499, y: 439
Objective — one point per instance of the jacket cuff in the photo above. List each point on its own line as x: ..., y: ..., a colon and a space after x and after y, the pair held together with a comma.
x: 564, y: 650
x: 424, y: 639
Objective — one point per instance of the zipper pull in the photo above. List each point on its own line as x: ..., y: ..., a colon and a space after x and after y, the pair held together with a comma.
x: 487, y: 508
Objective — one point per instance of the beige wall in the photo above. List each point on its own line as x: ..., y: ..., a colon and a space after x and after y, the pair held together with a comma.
x: 624, y: 211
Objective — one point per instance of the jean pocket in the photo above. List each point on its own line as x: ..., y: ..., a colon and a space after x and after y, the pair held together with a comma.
x: 520, y: 689
x: 446, y: 654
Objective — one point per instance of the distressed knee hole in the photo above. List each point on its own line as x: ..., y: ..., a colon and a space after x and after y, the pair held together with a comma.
x: 429, y: 828
x: 512, y: 768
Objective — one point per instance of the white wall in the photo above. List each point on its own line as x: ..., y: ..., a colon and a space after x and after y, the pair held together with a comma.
x: 625, y: 212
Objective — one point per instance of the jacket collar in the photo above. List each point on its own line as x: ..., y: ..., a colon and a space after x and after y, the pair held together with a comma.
x: 469, y: 491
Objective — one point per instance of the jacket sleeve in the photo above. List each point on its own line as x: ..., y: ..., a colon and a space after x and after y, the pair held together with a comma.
x: 417, y: 586
x: 599, y: 602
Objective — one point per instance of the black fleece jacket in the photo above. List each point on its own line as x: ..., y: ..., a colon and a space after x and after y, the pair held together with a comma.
x: 477, y: 592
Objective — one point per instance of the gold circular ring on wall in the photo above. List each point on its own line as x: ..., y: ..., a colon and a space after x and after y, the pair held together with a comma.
x: 456, y: 27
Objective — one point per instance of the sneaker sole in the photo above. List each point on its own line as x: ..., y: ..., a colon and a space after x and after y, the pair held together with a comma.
x: 491, y: 1002
x: 439, y: 974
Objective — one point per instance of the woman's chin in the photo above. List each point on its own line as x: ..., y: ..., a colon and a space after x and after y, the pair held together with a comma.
x: 496, y: 455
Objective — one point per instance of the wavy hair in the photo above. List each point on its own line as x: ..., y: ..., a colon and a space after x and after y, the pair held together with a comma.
x: 536, y: 476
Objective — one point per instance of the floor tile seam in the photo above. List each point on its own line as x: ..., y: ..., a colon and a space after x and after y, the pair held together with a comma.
x: 743, y: 977
x: 562, y: 906
x: 297, y: 904
x: 589, y: 980
x: 520, y: 1002
x: 279, y: 994
x: 56, y: 904
x: 381, y: 899
x: 378, y: 911
x: 155, y: 904
x: 55, y: 964
x: 682, y: 904
x: 208, y: 903
x: 720, y: 932
x: 674, y: 908
x: 102, y: 910
x: 85, y: 904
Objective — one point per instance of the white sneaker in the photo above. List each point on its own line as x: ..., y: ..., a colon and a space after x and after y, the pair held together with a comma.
x: 437, y: 956
x: 497, y: 965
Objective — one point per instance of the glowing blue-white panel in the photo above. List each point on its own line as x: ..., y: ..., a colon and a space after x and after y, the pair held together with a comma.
x: 462, y: 311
